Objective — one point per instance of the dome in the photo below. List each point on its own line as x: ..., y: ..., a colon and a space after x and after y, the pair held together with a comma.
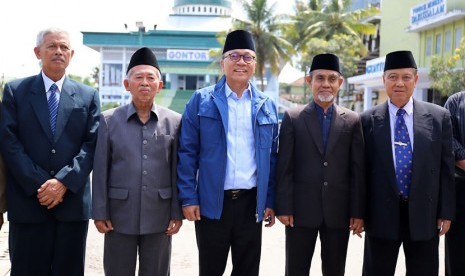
x: 222, y: 3
x: 202, y: 7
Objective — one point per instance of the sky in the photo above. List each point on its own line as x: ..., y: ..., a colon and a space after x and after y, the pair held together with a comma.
x: 21, y: 20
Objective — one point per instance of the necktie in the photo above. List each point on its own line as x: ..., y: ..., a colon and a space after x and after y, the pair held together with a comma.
x: 53, y: 107
x: 403, y: 153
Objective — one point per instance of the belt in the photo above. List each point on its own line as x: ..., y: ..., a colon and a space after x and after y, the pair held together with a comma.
x: 237, y: 193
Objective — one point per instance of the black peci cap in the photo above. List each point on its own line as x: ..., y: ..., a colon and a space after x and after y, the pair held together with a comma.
x: 239, y: 39
x: 143, y: 56
x: 326, y: 61
x: 399, y: 59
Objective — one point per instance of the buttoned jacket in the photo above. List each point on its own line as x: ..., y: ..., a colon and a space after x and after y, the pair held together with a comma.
x: 315, y: 184
x: 32, y: 153
x: 432, y: 190
x: 134, y: 177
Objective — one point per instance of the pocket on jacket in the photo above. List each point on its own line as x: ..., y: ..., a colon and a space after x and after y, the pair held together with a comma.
x: 118, y: 193
x: 211, y: 126
x: 265, y: 131
x: 165, y: 193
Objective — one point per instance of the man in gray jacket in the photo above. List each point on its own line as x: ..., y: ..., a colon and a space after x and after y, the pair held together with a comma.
x: 134, y: 180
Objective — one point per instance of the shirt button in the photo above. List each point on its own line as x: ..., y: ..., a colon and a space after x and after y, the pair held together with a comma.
x: 144, y: 172
x: 52, y: 172
x: 144, y: 127
x: 53, y: 151
x: 144, y: 142
x: 144, y: 156
x: 325, y: 183
x: 325, y: 164
x: 144, y: 187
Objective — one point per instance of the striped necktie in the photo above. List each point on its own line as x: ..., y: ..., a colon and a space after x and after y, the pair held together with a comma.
x: 53, y: 107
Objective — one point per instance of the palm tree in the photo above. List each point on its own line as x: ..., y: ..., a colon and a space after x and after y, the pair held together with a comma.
x: 318, y: 22
x: 271, y: 46
x: 325, y: 19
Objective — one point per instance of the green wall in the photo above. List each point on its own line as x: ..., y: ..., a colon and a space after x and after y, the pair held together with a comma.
x: 395, y: 16
x: 396, y: 19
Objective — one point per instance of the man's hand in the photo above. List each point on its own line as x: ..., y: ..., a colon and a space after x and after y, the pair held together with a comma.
x: 173, y: 227
x: 287, y: 220
x: 443, y: 226
x: 192, y: 212
x: 356, y: 226
x: 269, y: 217
x: 103, y: 226
x: 460, y: 164
x: 51, y: 193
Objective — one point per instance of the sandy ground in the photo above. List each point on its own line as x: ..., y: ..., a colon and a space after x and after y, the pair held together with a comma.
x: 184, y: 255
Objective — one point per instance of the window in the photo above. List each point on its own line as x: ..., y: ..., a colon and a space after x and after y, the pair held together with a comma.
x: 438, y: 44
x: 429, y: 44
x: 458, y: 37
x: 112, y: 74
x: 448, y: 42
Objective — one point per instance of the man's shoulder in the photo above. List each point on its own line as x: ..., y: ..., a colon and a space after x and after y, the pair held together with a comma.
x: 18, y: 83
x: 296, y: 110
x: 347, y: 112
x: 81, y: 86
x: 168, y: 113
x: 429, y: 107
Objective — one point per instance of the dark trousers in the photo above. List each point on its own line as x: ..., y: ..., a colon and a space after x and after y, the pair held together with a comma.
x: 237, y: 229
x: 455, y: 238
x: 51, y: 248
x: 421, y: 257
x: 300, y: 245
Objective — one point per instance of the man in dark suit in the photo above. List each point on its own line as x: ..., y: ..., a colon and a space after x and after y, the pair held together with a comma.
x: 410, y: 169
x: 320, y: 174
x: 48, y: 133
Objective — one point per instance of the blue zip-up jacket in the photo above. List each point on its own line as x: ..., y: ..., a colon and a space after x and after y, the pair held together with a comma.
x: 202, y: 150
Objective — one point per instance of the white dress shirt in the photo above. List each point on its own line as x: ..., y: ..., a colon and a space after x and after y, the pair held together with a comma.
x: 241, y: 166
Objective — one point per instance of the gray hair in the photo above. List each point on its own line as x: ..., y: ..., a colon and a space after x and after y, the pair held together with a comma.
x: 41, y: 35
x: 129, y: 73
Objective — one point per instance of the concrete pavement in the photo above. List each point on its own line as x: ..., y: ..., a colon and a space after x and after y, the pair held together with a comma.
x: 184, y: 255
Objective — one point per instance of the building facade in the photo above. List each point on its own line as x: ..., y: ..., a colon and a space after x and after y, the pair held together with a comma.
x: 182, y: 45
x: 426, y: 28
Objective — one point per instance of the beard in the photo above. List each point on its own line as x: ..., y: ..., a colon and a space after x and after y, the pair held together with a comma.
x: 325, y: 97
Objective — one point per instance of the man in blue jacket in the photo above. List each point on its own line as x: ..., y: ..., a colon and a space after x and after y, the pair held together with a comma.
x: 227, y: 158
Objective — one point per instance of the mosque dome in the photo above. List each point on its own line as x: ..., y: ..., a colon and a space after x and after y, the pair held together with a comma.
x: 203, y: 7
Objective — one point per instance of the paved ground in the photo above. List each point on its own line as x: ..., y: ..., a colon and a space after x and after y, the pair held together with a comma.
x: 184, y: 258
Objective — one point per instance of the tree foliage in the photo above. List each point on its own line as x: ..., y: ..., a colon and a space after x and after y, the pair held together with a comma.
x: 318, y: 26
x: 272, y: 48
x: 448, y: 74
x: 341, y: 45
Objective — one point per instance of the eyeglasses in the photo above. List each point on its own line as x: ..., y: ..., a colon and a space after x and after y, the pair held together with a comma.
x: 236, y: 57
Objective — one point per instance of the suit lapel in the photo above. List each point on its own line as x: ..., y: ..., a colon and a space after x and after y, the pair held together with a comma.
x: 337, y: 124
x: 313, y: 126
x: 382, y: 139
x: 423, y: 131
x: 40, y: 106
x: 65, y: 106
